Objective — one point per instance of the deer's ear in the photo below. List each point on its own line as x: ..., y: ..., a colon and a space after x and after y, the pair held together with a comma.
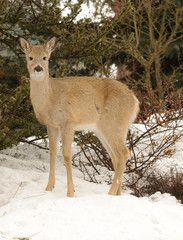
x: 51, y: 44
x: 24, y: 44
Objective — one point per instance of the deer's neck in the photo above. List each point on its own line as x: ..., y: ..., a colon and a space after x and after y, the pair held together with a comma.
x: 39, y: 93
x: 39, y: 89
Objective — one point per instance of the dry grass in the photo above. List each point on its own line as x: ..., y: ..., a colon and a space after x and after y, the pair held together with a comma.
x: 171, y: 183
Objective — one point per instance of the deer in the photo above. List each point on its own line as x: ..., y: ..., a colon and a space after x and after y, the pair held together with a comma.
x: 103, y: 106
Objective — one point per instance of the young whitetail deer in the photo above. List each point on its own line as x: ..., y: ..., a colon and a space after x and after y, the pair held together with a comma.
x: 102, y: 105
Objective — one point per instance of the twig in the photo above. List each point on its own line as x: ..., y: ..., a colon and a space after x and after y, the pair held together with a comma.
x: 34, y: 144
x: 27, y: 238
x: 17, y: 190
x: 36, y: 233
x: 21, y: 238
x: 90, y: 161
x: 38, y: 195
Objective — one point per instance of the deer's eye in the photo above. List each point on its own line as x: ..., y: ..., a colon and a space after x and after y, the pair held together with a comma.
x: 31, y: 58
x: 44, y: 58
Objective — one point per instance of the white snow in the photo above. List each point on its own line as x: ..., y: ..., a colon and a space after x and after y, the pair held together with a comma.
x: 87, y: 10
x: 27, y: 211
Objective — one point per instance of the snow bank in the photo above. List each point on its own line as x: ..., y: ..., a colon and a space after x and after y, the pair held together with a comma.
x: 28, y: 211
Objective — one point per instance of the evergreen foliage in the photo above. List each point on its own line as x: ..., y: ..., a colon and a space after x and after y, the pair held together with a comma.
x: 142, y: 38
x: 18, y: 119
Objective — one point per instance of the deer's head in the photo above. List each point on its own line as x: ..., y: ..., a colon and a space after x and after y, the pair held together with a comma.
x: 37, y: 57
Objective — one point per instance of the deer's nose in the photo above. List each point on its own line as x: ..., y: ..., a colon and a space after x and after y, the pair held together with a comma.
x: 38, y: 69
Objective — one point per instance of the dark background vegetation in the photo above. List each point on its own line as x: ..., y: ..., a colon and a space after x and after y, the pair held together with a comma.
x: 142, y: 39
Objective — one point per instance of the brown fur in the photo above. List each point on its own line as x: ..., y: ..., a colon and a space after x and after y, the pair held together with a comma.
x: 102, y: 105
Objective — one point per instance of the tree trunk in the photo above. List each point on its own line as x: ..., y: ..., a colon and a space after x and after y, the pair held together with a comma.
x: 148, y: 81
x: 159, y: 89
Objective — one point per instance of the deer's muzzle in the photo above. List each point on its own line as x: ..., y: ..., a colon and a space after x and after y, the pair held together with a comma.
x: 38, y: 69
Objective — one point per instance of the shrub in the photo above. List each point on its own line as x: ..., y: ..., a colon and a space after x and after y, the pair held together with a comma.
x: 171, y: 183
x: 17, y: 117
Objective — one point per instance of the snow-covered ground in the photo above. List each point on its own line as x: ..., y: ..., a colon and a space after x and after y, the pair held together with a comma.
x: 28, y: 212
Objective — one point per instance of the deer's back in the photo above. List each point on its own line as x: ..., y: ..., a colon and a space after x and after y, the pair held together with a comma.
x: 86, y: 99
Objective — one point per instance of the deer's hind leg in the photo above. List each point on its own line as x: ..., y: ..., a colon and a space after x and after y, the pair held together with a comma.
x: 113, y: 140
x: 121, y: 153
x: 67, y: 139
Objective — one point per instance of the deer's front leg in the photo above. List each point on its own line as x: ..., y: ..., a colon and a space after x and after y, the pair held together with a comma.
x: 67, y: 139
x: 53, y: 135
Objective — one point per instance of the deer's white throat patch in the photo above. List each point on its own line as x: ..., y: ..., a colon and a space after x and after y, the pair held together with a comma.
x: 37, y: 76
